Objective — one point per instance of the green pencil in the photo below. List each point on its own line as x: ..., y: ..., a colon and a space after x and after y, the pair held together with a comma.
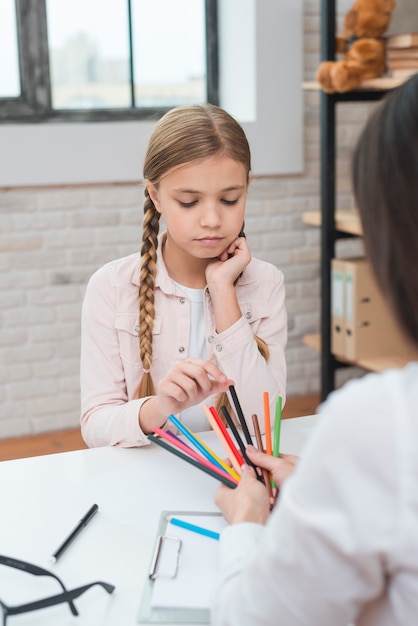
x: 277, y: 425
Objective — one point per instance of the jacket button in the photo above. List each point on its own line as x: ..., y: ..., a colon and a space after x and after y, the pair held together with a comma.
x: 136, y: 329
x: 248, y: 315
x: 181, y: 349
x: 218, y: 348
x: 211, y: 338
x: 182, y: 300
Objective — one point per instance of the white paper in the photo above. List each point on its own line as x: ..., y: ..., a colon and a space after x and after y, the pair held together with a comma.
x: 197, y: 567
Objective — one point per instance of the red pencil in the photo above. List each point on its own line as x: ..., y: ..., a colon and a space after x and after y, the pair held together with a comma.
x: 227, y: 436
x: 222, y: 439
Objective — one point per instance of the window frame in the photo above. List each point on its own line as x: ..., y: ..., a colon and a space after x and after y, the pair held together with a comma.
x: 35, y: 102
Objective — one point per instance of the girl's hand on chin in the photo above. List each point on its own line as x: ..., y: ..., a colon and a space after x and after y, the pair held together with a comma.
x: 229, y: 264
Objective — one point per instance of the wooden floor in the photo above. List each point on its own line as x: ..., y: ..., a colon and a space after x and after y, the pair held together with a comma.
x: 67, y: 440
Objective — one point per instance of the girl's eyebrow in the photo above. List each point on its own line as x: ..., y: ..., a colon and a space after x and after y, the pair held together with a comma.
x: 232, y: 188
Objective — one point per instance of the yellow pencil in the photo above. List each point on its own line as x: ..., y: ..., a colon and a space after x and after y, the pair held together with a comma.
x: 226, y: 467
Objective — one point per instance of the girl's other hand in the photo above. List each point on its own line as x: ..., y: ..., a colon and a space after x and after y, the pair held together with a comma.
x: 188, y: 383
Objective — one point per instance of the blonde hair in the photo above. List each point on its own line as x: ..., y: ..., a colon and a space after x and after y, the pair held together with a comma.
x: 183, y: 135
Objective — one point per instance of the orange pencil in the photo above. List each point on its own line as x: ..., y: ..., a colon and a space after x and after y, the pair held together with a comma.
x: 267, y: 478
x: 267, y: 424
x: 229, y: 452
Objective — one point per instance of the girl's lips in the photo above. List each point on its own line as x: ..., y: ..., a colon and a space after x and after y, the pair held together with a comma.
x: 210, y: 241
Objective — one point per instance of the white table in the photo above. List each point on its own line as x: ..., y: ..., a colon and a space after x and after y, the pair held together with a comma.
x: 42, y: 498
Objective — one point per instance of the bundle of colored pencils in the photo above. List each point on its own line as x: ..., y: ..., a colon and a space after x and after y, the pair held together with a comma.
x: 198, y: 454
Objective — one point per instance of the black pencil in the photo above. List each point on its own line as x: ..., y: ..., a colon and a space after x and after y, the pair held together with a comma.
x: 236, y: 434
x: 240, y: 442
x: 240, y: 415
x: 188, y: 459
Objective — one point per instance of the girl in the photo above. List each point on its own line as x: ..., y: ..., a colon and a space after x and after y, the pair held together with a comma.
x: 172, y: 329
x: 341, y: 545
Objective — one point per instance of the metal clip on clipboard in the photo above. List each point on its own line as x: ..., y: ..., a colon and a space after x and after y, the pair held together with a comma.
x: 165, y: 561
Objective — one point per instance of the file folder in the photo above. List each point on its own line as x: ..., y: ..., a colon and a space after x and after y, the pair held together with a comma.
x: 338, y: 307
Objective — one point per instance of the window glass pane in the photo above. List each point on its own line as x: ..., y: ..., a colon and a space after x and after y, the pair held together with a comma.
x: 89, y: 54
x: 9, y: 58
x: 169, y: 49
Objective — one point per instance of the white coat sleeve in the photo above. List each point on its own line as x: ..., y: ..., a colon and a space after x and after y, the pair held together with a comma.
x: 319, y: 558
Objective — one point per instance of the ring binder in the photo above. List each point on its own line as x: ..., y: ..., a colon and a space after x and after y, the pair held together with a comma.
x: 171, y: 555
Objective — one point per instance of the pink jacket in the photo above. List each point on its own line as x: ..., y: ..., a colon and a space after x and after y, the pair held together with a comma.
x: 110, y: 364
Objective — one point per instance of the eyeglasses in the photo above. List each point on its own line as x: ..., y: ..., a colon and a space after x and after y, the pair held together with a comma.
x: 65, y: 596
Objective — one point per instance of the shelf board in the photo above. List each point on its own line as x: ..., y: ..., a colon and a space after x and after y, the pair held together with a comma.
x: 384, y: 83
x: 372, y: 364
x: 312, y: 341
x: 345, y: 221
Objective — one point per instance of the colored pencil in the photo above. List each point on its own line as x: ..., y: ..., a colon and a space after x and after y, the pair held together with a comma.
x: 187, y: 450
x: 267, y: 424
x: 226, y: 434
x: 235, y: 432
x: 226, y: 443
x: 214, y: 472
x: 240, y: 414
x: 267, y: 477
x: 226, y: 467
x: 206, y: 451
x: 194, y: 440
x: 170, y: 432
x: 277, y: 427
x: 239, y: 441
x: 193, y: 527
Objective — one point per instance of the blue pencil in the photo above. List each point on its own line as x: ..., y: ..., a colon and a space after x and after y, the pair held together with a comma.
x: 191, y: 437
x: 196, y: 529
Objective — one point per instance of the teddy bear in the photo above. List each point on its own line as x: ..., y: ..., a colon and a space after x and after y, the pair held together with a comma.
x: 362, y: 45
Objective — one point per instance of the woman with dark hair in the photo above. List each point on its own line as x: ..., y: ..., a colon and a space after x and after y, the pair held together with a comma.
x: 341, y: 545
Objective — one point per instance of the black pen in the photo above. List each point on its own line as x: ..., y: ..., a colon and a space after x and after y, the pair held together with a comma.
x: 82, y: 523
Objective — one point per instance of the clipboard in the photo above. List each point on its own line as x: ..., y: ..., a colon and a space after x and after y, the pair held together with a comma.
x: 182, y: 571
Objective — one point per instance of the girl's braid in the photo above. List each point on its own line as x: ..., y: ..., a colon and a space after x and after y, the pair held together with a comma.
x: 146, y: 293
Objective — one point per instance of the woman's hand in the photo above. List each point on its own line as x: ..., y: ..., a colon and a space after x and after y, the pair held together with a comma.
x: 187, y: 383
x: 280, y: 467
x: 248, y: 502
x: 224, y: 270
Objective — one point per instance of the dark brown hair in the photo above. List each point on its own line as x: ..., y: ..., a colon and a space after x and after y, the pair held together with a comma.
x: 385, y: 178
x: 183, y: 135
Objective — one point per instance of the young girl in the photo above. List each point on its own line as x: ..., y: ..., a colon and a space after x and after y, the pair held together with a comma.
x: 341, y: 545
x: 172, y: 328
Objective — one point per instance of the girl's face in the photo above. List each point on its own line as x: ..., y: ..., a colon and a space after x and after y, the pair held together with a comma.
x: 203, y: 205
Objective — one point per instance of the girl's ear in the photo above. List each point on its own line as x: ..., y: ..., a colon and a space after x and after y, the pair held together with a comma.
x: 153, y: 194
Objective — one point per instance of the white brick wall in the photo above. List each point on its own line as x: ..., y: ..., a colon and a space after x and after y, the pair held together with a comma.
x: 52, y: 239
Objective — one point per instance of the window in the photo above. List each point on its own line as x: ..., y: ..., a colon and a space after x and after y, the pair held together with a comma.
x: 89, y: 60
x: 9, y: 76
x: 260, y: 76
